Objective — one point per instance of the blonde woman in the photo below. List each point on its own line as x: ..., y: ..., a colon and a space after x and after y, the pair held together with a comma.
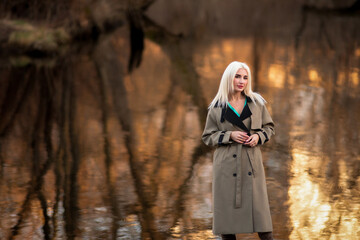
x: 237, y: 124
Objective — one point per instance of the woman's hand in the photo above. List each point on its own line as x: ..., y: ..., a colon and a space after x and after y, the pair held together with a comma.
x: 252, y: 141
x: 238, y: 136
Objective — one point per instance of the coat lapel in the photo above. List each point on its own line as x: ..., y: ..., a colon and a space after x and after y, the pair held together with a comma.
x: 231, y: 117
x: 255, y: 116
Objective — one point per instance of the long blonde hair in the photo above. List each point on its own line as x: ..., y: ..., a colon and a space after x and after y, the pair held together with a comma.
x: 226, y: 87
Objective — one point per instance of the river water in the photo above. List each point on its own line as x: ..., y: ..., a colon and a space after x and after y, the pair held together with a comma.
x: 89, y: 150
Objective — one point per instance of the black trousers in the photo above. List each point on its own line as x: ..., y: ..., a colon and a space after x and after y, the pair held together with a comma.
x: 262, y: 236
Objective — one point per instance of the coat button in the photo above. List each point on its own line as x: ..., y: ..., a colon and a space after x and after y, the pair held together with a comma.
x: 249, y: 173
x: 234, y: 174
x: 234, y: 155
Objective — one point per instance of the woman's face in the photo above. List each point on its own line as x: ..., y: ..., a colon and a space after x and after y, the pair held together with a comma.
x: 240, y: 81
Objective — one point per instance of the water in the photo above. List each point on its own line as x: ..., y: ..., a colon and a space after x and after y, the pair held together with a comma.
x: 91, y: 151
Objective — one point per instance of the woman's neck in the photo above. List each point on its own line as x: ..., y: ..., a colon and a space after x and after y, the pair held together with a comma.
x: 237, y: 96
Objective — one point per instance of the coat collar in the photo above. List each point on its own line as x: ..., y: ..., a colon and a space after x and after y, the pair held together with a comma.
x: 230, y: 116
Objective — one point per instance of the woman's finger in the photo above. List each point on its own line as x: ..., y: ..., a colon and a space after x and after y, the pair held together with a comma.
x: 249, y: 139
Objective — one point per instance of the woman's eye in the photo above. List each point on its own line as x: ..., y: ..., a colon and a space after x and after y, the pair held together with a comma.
x: 237, y: 76
x: 245, y: 77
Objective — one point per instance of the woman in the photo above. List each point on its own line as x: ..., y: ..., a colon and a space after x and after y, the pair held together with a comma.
x: 237, y: 124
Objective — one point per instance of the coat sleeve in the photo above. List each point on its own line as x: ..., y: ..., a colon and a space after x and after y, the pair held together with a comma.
x: 212, y: 135
x: 267, y: 127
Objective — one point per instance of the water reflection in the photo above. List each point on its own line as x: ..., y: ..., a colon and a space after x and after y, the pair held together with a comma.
x: 276, y: 75
x: 89, y: 150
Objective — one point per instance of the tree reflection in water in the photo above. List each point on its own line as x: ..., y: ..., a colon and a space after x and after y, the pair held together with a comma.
x: 89, y: 150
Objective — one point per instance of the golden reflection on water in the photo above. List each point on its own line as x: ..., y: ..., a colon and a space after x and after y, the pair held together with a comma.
x: 321, y: 205
x: 314, y: 213
x: 309, y: 210
x: 357, y: 52
x: 314, y: 77
x: 276, y: 75
x: 354, y: 77
x: 349, y: 80
x: 177, y: 232
x: 206, y: 234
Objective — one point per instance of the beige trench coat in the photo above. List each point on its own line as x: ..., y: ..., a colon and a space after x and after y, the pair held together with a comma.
x: 240, y: 201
